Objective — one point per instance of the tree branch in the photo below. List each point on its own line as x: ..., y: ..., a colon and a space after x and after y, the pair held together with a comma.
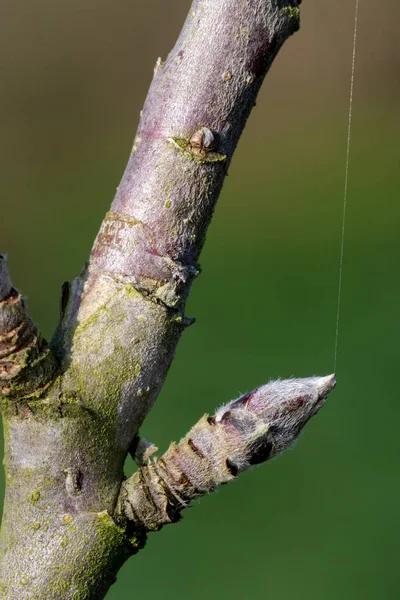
x: 70, y: 415
x: 27, y: 367
x: 245, y: 432
x: 145, y: 256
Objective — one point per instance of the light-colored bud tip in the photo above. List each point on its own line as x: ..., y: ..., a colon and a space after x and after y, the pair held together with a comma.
x: 326, y: 384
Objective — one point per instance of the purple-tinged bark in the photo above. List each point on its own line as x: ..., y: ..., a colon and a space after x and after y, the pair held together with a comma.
x: 151, y: 239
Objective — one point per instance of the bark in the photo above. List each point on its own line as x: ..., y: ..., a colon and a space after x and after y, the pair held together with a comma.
x: 72, y: 410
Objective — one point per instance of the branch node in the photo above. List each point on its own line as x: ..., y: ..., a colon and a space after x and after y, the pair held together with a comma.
x: 141, y: 450
x: 195, y: 149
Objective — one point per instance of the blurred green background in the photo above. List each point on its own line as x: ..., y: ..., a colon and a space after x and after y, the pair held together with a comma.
x: 323, y: 520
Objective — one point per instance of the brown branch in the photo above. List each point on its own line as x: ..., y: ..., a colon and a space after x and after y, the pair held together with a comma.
x: 27, y: 366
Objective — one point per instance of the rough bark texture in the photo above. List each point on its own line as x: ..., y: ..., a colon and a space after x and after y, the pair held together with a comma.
x: 27, y: 367
x: 72, y: 411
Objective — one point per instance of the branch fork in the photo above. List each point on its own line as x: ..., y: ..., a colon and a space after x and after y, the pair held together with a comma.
x: 72, y: 409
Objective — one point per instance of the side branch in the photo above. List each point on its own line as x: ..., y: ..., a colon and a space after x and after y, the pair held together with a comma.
x: 245, y: 432
x: 27, y: 366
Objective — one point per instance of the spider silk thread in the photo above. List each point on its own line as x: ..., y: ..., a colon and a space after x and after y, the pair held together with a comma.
x: 346, y: 184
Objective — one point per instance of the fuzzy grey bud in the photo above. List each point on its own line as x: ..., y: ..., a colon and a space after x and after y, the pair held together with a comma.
x: 244, y: 432
x: 267, y: 420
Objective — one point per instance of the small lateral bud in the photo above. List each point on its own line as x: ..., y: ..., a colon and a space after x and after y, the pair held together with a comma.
x: 141, y: 450
x: 203, y: 140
